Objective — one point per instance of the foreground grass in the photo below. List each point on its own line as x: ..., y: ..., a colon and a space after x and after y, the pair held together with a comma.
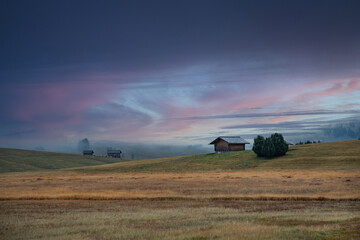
x: 256, y: 184
x: 179, y: 220
x: 16, y: 160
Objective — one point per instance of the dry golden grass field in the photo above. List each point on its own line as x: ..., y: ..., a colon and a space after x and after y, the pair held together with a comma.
x: 312, y: 193
x: 179, y: 219
x: 280, y: 184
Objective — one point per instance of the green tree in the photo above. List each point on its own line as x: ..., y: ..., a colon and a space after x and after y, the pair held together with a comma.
x: 273, y: 146
x: 268, y: 149
x: 258, y: 144
x: 280, y: 145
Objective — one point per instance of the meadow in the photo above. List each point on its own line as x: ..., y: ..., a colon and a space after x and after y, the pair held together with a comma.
x: 179, y: 219
x: 321, y: 156
x: 18, y: 160
x: 259, y: 184
x: 311, y: 193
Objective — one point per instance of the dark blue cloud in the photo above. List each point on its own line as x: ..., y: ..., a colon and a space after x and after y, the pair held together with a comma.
x: 151, y: 34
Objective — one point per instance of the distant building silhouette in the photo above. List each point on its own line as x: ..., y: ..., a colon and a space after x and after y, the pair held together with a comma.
x: 88, y: 152
x: 229, y: 144
x: 114, y: 153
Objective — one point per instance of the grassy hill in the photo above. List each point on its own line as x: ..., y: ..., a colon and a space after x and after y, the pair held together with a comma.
x: 16, y: 160
x: 320, y: 156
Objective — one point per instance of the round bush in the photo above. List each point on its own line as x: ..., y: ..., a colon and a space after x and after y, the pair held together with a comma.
x: 273, y: 146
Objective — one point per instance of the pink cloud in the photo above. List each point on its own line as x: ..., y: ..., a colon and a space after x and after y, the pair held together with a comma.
x: 226, y: 101
x: 57, y: 103
x: 332, y: 88
x: 353, y: 85
x: 61, y: 107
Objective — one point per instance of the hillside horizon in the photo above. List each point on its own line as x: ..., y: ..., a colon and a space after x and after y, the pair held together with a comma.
x: 333, y: 155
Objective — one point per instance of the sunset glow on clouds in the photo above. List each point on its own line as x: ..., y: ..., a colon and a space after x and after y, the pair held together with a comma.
x: 180, y: 90
x: 107, y: 110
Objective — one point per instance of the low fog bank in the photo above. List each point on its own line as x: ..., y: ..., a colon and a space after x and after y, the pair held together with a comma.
x: 330, y: 133
x: 346, y: 131
x: 146, y: 151
x: 129, y: 150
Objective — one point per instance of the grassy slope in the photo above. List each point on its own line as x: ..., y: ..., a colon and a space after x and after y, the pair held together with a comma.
x: 321, y: 156
x: 15, y: 160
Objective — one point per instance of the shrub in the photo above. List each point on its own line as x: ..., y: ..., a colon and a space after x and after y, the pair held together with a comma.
x: 270, y: 147
x: 280, y: 145
x: 258, y: 145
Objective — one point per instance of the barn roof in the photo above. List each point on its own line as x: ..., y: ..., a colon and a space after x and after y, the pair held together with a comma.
x: 88, y: 151
x: 231, y: 140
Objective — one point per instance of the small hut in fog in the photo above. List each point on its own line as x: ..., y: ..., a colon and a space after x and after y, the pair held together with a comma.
x: 88, y: 152
x: 229, y: 144
x: 114, y: 153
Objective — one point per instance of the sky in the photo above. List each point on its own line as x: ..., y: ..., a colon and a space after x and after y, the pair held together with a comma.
x: 175, y: 72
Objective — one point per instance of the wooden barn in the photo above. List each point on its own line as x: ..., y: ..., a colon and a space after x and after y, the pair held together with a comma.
x: 229, y: 144
x: 114, y: 153
x: 88, y: 152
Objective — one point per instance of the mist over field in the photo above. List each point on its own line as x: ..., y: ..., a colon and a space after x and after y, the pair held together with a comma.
x: 146, y: 151
x: 131, y: 150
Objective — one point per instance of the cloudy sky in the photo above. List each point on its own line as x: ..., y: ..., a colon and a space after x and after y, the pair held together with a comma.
x: 175, y: 72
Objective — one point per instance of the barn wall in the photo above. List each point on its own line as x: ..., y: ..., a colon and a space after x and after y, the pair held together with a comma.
x: 221, y: 145
x: 236, y: 147
x: 115, y: 155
